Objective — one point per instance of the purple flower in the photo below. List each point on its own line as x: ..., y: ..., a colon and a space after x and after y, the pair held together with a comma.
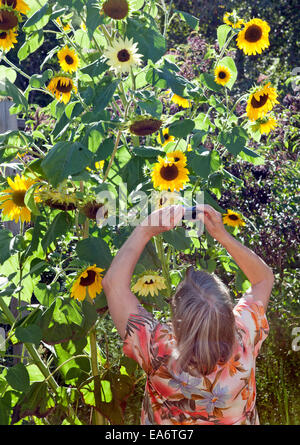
x: 214, y: 399
x: 186, y: 384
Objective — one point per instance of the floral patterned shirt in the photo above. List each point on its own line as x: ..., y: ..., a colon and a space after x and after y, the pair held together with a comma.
x: 226, y: 396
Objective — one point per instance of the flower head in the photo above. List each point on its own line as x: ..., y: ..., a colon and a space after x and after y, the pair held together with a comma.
x: 166, y: 137
x: 149, y: 283
x: 13, y: 199
x: 181, y: 101
x: 254, y: 37
x: 89, y: 281
x: 62, y: 87
x: 117, y: 9
x: 65, y: 27
x: 233, y: 219
x: 123, y: 55
x: 7, y: 39
x: 261, y: 101
x: 17, y: 5
x: 169, y: 175
x: 68, y: 59
x: 267, y: 124
x: 9, y: 20
x: 231, y: 19
x: 222, y: 75
x: 144, y: 125
x: 177, y: 157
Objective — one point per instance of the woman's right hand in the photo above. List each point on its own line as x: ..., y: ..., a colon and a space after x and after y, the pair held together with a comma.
x: 213, y: 221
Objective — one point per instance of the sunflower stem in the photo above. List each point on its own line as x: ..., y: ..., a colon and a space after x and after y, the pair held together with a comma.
x: 233, y: 33
x: 164, y: 262
x: 15, y: 67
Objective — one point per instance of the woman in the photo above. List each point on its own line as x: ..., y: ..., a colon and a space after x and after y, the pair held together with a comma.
x: 200, y: 368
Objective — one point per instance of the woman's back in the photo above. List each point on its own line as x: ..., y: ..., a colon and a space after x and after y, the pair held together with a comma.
x: 225, y: 396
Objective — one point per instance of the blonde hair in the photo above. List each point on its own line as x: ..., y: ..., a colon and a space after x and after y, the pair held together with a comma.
x: 203, y: 321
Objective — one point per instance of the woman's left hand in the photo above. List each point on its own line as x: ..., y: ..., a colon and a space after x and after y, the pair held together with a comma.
x: 162, y: 220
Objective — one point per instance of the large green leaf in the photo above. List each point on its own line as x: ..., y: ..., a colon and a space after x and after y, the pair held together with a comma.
x: 181, y: 128
x: 29, y: 334
x: 39, y: 19
x: 234, y: 140
x: 64, y: 159
x: 94, y: 251
x: 5, y: 239
x: 58, y: 227
x: 31, y: 44
x: 104, y: 94
x: 151, y: 44
x: 18, y: 377
x: 16, y: 94
x: 200, y: 162
x: 73, y: 370
x: 177, y: 238
x: 222, y: 33
x: 191, y: 20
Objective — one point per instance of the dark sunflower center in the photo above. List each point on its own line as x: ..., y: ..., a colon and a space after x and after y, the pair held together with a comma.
x: 253, y: 34
x: 145, y: 127
x: 90, y: 279
x: 222, y: 75
x: 259, y: 103
x: 12, y: 3
x: 66, y: 88
x: 69, y: 60
x: 18, y: 198
x: 116, y: 9
x: 149, y: 282
x: 3, y: 35
x: 176, y: 159
x: 8, y: 20
x: 166, y: 136
x: 169, y: 173
x: 233, y: 217
x: 123, y: 55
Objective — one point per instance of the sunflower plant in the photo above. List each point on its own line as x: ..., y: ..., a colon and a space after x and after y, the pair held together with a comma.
x: 108, y: 84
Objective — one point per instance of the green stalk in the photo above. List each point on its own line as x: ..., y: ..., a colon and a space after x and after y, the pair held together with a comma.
x: 164, y: 259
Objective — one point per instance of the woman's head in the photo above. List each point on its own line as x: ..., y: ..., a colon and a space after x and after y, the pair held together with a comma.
x: 203, y: 321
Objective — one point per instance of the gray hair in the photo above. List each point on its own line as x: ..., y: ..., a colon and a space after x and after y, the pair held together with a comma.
x: 203, y: 321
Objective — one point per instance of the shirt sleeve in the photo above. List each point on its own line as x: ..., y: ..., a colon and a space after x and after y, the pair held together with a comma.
x: 147, y: 341
x: 250, y: 315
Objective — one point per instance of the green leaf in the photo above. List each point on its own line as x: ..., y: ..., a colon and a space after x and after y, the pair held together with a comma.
x: 222, y: 33
x: 132, y: 173
x: 29, y: 334
x: 16, y: 94
x: 36, y: 402
x: 72, y: 370
x: 164, y: 78
x: 250, y: 156
x: 29, y: 199
x: 191, y: 20
x: 95, y: 69
x: 94, y: 251
x: 18, y: 377
x: 45, y: 293
x: 58, y: 227
x: 208, y: 80
x: 104, y: 95
x: 200, y: 162
x: 64, y: 159
x: 234, y: 140
x: 177, y: 238
x: 5, y: 239
x: 39, y: 19
x: 93, y: 18
x: 147, y: 152
x: 181, y: 128
x: 7, y: 73
x: 31, y: 44
x: 105, y: 149
x: 229, y: 63
x: 152, y: 106
x: 151, y: 44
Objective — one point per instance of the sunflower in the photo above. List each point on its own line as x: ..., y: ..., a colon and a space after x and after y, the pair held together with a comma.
x: 117, y: 9
x: 122, y: 55
x: 149, y: 283
x: 231, y: 19
x: 89, y: 281
x: 222, y: 75
x: 177, y: 157
x: 181, y: 101
x: 144, y: 125
x: 261, y: 101
x: 160, y: 199
x: 66, y: 28
x: 166, y: 137
x: 68, y: 59
x: 233, y: 219
x: 9, y: 20
x: 169, y: 175
x: 58, y: 199
x: 61, y: 87
x: 254, y: 37
x: 267, y: 124
x: 13, y: 199
x: 17, y: 5
x: 7, y: 39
